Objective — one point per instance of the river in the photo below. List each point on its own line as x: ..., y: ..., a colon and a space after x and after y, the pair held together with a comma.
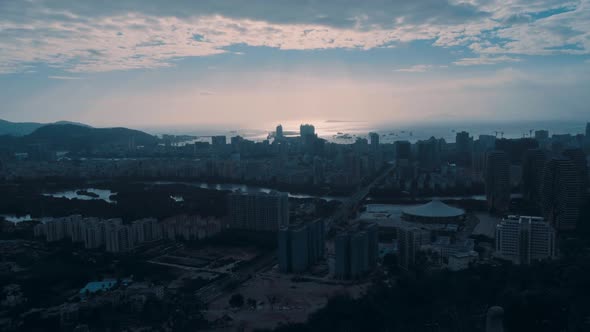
x: 244, y: 188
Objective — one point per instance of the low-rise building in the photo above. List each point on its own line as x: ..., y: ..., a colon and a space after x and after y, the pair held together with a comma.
x: 462, y: 260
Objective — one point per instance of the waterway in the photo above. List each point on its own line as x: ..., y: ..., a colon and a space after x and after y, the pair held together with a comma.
x: 98, y: 194
x: 243, y: 188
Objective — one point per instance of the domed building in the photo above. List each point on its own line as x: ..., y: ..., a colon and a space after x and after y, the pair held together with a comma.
x: 434, y: 212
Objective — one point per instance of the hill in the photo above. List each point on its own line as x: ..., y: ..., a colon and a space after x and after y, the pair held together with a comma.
x: 25, y: 128
x: 75, y: 138
x: 18, y: 128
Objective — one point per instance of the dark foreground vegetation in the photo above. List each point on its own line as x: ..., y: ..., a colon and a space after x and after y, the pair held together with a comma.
x: 545, y: 297
x: 133, y: 201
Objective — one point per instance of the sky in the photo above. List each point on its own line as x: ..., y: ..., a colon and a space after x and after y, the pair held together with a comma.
x: 150, y: 63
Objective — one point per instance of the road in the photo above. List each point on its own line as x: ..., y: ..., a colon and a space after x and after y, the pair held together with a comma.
x: 350, y: 205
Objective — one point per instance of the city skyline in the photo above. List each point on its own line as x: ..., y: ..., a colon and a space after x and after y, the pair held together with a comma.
x: 295, y: 165
x: 226, y: 63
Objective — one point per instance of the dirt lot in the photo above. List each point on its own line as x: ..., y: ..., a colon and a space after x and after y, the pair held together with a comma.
x: 278, y: 299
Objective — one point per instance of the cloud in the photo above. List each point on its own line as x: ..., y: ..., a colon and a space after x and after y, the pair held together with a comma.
x: 65, y: 77
x: 491, y: 94
x: 415, y: 69
x: 84, y: 36
x: 336, y: 13
x: 485, y: 60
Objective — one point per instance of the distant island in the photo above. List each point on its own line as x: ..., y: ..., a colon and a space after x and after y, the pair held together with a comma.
x: 341, y: 121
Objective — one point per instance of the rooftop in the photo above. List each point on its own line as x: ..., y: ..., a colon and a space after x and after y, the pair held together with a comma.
x: 434, y: 209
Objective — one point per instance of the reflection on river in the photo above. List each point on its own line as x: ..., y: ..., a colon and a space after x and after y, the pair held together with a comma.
x: 249, y: 188
x: 242, y: 187
x: 92, y: 194
x: 448, y: 198
x: 16, y: 219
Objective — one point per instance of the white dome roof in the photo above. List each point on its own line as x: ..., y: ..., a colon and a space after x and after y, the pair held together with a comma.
x: 434, y: 209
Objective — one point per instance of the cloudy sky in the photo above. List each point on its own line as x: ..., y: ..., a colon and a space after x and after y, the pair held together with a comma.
x: 251, y: 63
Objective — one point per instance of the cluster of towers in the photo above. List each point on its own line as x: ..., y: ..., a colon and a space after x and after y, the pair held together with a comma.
x: 555, y: 182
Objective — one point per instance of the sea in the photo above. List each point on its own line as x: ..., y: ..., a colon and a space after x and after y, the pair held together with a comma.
x: 346, y: 132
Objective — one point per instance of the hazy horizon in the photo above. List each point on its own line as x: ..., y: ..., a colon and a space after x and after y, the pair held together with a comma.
x: 332, y: 129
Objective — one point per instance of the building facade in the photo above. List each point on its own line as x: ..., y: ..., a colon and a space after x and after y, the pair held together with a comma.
x: 301, y: 246
x: 497, y: 181
x: 258, y: 211
x: 560, y: 194
x: 408, y: 242
x: 525, y: 239
x: 356, y: 251
x: 532, y: 174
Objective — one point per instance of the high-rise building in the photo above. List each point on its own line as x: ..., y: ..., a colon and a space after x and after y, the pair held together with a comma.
x: 427, y: 153
x: 317, y: 240
x: 40, y: 230
x: 93, y: 234
x: 486, y: 142
x: 293, y: 249
x: 218, y: 140
x: 578, y: 157
x: 306, y: 130
x: 403, y: 150
x: 587, y: 130
x: 318, y: 170
x: 373, y: 244
x: 55, y: 230
x: 374, y: 141
x: 541, y: 135
x: 357, y: 252
x: 258, y: 211
x: 118, y: 237
x: 463, y: 141
x: 279, y: 132
x: 525, y: 239
x: 481, y: 147
x: 236, y: 143
x: 190, y: 227
x: 301, y: 246
x: 310, y: 143
x: 532, y: 174
x: 408, y: 243
x: 342, y: 251
x: 360, y: 146
x: 560, y: 191
x: 146, y: 230
x: 463, y: 145
x: 497, y: 181
x: 74, y: 228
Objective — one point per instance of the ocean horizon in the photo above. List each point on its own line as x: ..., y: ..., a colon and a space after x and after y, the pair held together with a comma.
x: 346, y: 132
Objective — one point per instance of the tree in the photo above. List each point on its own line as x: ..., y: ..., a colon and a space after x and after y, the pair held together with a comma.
x: 236, y: 300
